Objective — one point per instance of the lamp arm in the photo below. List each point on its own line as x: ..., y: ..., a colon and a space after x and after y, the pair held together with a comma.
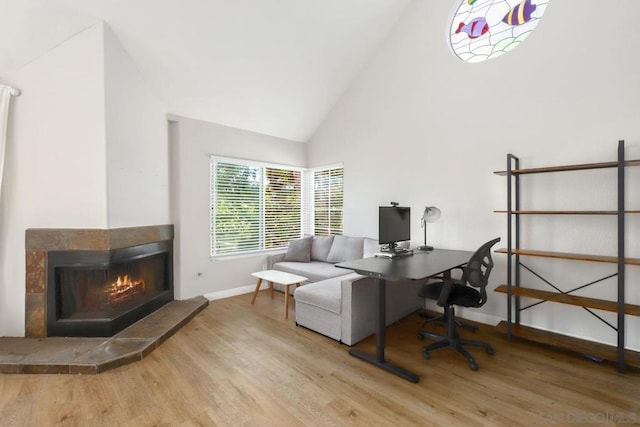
x: 425, y: 233
x: 423, y: 224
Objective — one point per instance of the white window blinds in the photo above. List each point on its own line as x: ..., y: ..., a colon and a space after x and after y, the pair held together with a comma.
x: 328, y: 205
x: 283, y: 207
x: 253, y: 206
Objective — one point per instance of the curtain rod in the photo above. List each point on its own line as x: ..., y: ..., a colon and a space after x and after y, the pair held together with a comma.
x: 12, y: 90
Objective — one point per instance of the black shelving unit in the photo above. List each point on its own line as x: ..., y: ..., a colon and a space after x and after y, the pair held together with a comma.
x: 515, y: 289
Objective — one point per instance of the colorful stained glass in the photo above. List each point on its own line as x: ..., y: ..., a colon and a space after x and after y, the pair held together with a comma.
x: 484, y: 29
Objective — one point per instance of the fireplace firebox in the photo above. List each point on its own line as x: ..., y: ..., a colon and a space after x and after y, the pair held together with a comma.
x: 99, y: 293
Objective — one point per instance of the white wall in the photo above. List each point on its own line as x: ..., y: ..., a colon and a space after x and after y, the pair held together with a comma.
x: 137, y: 143
x: 87, y: 148
x: 55, y: 173
x: 192, y: 143
x: 421, y: 127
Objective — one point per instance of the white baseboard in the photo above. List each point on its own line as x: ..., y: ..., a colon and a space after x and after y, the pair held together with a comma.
x: 487, y: 319
x: 233, y: 292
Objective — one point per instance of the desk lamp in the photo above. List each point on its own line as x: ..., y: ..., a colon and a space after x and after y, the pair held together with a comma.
x: 431, y: 214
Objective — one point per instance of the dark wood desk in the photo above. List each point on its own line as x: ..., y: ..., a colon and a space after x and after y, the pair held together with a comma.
x: 420, y: 265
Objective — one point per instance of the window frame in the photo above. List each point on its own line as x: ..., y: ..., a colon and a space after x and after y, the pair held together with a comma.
x: 307, y: 200
x: 213, y: 161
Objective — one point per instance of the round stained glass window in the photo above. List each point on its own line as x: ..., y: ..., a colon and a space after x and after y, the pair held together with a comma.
x: 484, y: 29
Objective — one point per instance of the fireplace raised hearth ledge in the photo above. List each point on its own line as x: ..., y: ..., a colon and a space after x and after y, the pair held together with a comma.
x: 96, y: 355
x: 39, y: 242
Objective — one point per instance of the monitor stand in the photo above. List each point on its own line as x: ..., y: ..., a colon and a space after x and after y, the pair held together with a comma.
x: 394, y: 251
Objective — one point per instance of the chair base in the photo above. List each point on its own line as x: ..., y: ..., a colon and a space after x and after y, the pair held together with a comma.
x: 443, y: 318
x: 452, y: 340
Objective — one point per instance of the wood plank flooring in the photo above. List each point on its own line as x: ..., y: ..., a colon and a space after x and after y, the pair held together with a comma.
x: 242, y: 364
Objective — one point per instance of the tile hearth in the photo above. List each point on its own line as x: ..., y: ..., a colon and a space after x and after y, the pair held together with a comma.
x: 95, y: 355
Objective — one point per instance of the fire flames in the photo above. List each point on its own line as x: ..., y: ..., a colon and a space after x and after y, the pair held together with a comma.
x: 124, y: 288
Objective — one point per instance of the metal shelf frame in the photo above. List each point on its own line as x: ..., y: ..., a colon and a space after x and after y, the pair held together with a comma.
x: 514, y: 250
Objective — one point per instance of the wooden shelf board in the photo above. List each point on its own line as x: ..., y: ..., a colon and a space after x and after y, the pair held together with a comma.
x: 630, y: 309
x: 583, y: 166
x: 580, y: 346
x: 565, y: 255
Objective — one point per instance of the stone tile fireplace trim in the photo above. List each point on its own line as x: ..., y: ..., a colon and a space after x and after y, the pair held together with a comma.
x: 39, y: 241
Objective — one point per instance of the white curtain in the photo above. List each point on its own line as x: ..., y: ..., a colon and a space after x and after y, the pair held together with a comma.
x: 5, y: 97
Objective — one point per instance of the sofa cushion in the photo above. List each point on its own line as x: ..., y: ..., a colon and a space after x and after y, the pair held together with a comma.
x: 320, y: 248
x: 299, y: 250
x: 326, y: 294
x: 315, y: 271
x: 345, y: 249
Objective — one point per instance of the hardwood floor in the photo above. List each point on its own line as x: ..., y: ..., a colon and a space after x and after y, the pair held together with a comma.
x: 242, y: 364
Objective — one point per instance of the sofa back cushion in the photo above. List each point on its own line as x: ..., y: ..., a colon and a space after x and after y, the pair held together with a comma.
x: 345, y: 249
x: 320, y: 248
x: 370, y: 247
x: 299, y: 250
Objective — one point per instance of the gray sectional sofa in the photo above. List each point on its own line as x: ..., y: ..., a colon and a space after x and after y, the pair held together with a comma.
x: 337, y: 302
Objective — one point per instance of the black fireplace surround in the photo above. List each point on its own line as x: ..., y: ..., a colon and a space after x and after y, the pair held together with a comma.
x: 99, y: 293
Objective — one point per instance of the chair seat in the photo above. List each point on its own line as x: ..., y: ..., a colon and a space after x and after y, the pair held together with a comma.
x: 460, y: 295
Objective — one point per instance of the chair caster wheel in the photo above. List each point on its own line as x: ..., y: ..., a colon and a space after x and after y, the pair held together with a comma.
x: 420, y: 337
x: 473, y: 366
x: 426, y: 354
x: 490, y: 350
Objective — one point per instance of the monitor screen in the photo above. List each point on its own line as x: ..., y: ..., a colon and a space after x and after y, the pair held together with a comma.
x: 394, y: 224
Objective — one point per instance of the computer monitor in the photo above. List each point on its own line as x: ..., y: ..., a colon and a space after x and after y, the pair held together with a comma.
x: 394, y: 225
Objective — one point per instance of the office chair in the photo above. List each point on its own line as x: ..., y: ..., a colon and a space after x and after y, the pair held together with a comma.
x: 461, y: 292
x: 442, y: 318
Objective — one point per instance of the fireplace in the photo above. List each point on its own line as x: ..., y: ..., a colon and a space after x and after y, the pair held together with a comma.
x: 94, y: 282
x: 99, y: 293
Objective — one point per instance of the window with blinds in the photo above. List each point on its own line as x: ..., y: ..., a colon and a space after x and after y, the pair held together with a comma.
x: 253, y: 206
x: 328, y: 205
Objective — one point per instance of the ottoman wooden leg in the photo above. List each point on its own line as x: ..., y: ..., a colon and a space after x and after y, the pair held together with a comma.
x: 255, y: 293
x: 286, y: 301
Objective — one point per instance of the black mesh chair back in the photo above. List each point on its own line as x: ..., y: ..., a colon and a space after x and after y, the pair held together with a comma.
x: 476, y: 272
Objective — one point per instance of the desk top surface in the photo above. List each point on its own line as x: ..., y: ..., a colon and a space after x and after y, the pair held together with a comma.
x: 420, y: 265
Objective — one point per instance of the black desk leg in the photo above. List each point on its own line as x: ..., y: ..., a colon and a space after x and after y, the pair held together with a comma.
x: 378, y: 359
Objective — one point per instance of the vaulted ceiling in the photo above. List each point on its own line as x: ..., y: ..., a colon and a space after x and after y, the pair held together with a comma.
x: 272, y: 66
